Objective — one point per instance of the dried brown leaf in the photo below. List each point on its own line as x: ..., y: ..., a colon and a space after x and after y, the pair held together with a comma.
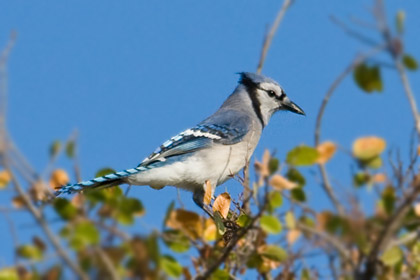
x: 366, y: 148
x: 293, y: 235
x: 188, y: 222
x: 222, y: 204
x: 417, y: 209
x: 326, y: 151
x: 278, y: 182
x: 18, y: 202
x: 58, y: 179
x: 379, y: 178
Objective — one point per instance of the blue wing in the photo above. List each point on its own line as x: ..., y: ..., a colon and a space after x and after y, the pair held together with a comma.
x: 199, y: 137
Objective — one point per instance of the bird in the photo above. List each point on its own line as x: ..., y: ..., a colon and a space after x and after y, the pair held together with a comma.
x: 211, y: 152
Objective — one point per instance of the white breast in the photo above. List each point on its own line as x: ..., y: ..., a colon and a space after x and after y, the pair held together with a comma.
x: 216, y: 165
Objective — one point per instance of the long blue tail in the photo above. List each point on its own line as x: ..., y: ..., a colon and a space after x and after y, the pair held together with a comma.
x: 106, y: 181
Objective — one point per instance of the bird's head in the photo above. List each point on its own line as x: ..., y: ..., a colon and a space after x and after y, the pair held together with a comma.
x: 267, y: 96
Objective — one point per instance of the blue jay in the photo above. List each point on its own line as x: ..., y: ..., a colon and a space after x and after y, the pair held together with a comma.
x: 211, y: 152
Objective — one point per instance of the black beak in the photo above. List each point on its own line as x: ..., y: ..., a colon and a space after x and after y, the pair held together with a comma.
x: 289, y: 105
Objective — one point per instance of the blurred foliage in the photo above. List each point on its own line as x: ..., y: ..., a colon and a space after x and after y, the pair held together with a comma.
x: 269, y: 232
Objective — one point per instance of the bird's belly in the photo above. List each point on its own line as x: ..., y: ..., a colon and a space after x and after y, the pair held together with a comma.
x: 190, y: 172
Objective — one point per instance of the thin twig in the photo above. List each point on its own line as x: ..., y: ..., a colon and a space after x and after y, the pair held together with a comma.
x: 13, y: 231
x: 391, y: 228
x: 3, y: 76
x: 349, y: 69
x: 409, y: 93
x: 352, y: 32
x: 329, y: 239
x: 269, y: 37
x: 232, y: 243
x: 107, y: 263
x: 394, y: 48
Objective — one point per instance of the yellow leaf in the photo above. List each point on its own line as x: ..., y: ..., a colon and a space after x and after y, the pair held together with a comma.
x: 366, y: 148
x: 208, y: 193
x: 325, y: 150
x: 222, y: 204
x: 293, y: 235
x: 58, y: 178
x: 210, y: 230
x: 188, y: 222
x: 5, y: 178
x: 278, y: 182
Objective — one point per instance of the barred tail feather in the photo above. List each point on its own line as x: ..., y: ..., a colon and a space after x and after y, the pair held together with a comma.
x: 106, y: 181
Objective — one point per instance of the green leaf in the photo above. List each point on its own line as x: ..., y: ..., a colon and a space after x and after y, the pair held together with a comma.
x: 104, y: 171
x: 388, y: 199
x: 302, y: 156
x: 168, y: 212
x: 275, y: 199
x: 254, y: 261
x: 85, y: 233
x: 176, y: 241
x: 295, y: 176
x: 392, y: 256
x: 273, y: 165
x: 290, y: 220
x: 54, y: 148
x: 410, y: 62
x: 170, y: 266
x: 270, y: 224
x: 218, y: 220
x: 243, y: 220
x: 368, y: 78
x: 298, y: 195
x: 220, y: 274
x: 360, y: 179
x: 307, y: 221
x: 29, y: 252
x: 399, y: 21
x: 64, y: 208
x: 152, y: 244
x: 374, y: 163
x: 70, y: 149
x: 8, y: 273
x: 127, y: 209
x: 274, y: 253
x: 305, y: 274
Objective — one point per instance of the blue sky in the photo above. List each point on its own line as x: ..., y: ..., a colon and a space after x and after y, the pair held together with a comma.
x: 128, y: 75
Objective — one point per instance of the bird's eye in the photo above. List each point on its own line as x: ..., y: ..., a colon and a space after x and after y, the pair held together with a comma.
x: 271, y: 93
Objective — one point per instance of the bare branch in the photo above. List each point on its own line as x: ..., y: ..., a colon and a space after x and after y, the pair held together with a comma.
x: 409, y: 93
x: 3, y: 78
x: 331, y: 240
x: 349, y: 69
x: 232, y: 243
x: 353, y: 33
x: 391, y: 228
x: 269, y: 37
x: 107, y: 263
x: 43, y: 224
